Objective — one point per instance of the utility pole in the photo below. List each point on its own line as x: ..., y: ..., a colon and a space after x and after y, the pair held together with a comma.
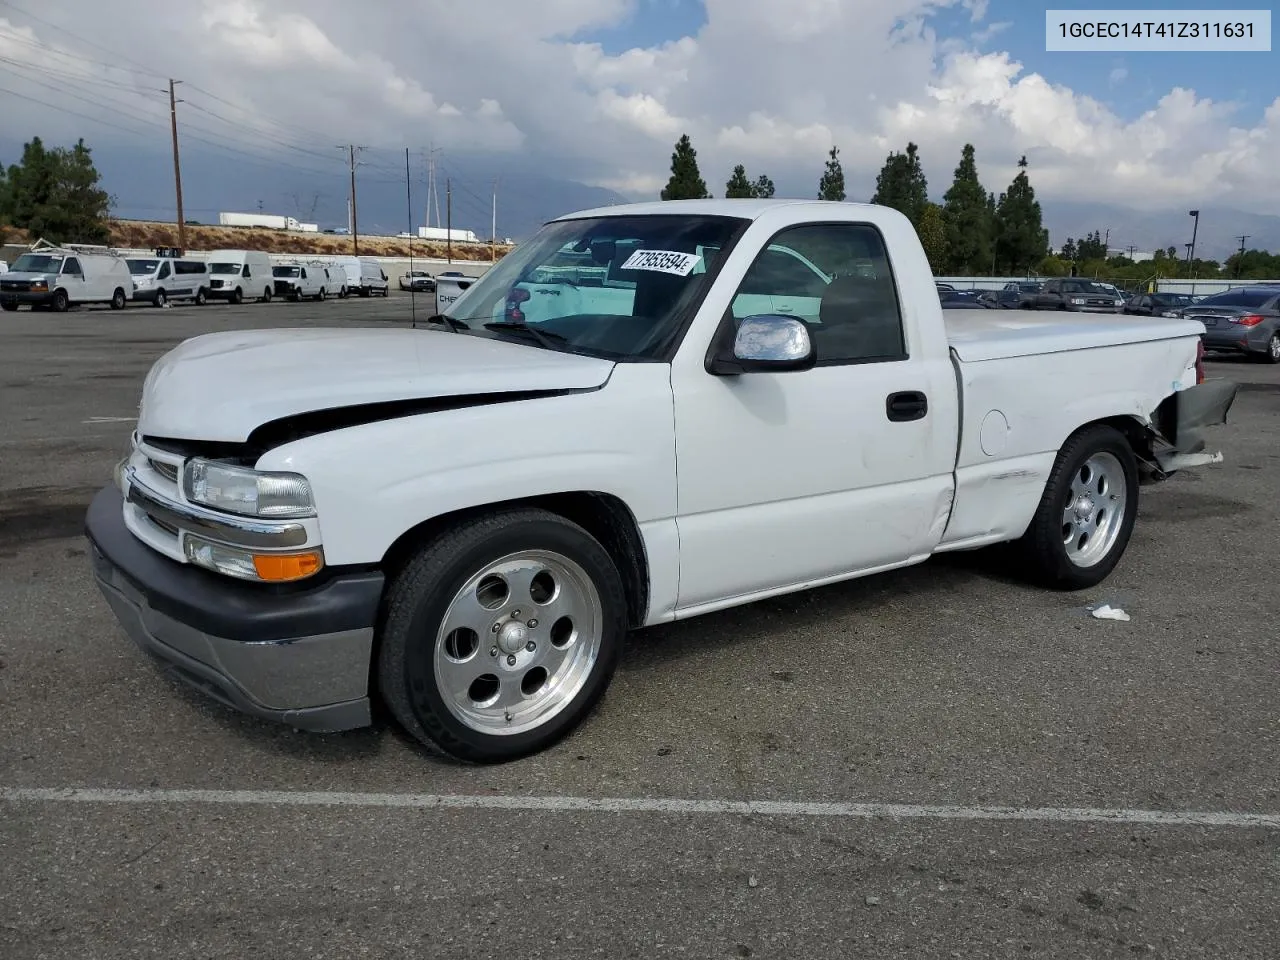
x: 493, y: 230
x: 1131, y: 248
x: 433, y: 194
x: 1191, y: 253
x: 177, y: 166
x: 1106, y: 245
x: 1240, y: 259
x: 448, y: 227
x: 355, y: 230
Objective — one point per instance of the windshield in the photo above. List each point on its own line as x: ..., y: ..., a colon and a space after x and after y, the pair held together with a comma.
x: 1237, y: 298
x: 224, y: 268
x: 284, y: 271
x: 614, y: 287
x: 36, y: 263
x: 143, y: 268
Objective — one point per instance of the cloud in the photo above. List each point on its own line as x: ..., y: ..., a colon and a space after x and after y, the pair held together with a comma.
x: 764, y: 84
x: 1117, y: 75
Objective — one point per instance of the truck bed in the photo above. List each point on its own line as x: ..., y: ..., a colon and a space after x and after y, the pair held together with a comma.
x: 977, y: 335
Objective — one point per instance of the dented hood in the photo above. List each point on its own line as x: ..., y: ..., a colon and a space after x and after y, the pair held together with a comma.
x: 221, y: 386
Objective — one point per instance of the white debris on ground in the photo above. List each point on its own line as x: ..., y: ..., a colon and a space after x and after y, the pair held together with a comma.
x: 1108, y: 612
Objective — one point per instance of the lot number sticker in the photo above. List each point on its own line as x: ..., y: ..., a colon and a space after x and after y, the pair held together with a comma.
x: 662, y: 261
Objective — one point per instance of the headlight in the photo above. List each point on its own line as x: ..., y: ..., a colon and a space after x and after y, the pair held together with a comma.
x: 248, y: 492
x: 41, y: 285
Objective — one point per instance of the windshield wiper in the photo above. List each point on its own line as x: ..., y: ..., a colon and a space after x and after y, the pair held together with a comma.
x: 544, y: 337
x: 453, y: 323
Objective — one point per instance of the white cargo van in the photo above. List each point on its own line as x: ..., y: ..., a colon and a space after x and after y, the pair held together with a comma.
x: 159, y: 279
x: 57, y: 278
x: 365, y: 276
x: 294, y: 281
x: 336, y: 282
x: 237, y: 275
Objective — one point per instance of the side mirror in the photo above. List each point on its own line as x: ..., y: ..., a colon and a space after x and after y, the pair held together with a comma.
x: 765, y: 343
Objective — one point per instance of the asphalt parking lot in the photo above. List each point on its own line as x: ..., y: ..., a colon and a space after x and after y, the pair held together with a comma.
x: 1062, y: 786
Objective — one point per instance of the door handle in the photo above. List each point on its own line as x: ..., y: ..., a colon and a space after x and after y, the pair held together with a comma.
x: 906, y: 406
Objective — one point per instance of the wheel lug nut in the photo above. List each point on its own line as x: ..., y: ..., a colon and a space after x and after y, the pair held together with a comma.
x: 531, y: 646
x: 515, y: 614
x: 493, y: 652
x: 496, y: 627
x: 532, y: 624
x: 511, y: 660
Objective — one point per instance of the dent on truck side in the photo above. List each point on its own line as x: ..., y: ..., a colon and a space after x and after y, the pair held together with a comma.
x: 374, y: 481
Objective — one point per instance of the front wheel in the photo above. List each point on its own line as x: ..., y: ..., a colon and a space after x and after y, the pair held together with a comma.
x: 321, y: 294
x: 1087, y: 512
x: 266, y: 294
x: 501, y: 635
x: 161, y: 299
x: 202, y: 297
x: 238, y: 296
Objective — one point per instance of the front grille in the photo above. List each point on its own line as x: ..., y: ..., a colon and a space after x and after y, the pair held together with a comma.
x: 283, y: 288
x: 15, y: 286
x: 215, y: 283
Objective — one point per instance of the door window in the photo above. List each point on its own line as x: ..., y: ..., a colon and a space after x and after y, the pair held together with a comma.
x: 164, y: 272
x: 837, y: 280
x: 72, y: 268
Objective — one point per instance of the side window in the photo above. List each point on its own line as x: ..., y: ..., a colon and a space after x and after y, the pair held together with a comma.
x: 164, y: 272
x: 72, y: 268
x: 837, y: 279
x: 244, y: 272
x: 304, y: 273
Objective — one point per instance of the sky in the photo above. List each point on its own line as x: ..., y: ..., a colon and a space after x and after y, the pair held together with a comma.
x: 597, y: 91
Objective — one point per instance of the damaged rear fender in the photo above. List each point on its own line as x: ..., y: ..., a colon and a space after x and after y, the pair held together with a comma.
x: 1178, y: 427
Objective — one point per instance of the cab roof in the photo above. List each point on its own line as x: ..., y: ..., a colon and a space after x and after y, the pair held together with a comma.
x: 744, y: 209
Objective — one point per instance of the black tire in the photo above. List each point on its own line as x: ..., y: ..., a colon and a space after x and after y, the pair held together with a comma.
x: 238, y: 296
x: 364, y: 291
x: 418, y: 599
x: 266, y: 294
x: 161, y: 299
x: 60, y: 301
x: 8, y: 307
x: 321, y: 295
x: 1043, y: 547
x: 295, y: 296
x: 202, y: 297
x: 118, y: 299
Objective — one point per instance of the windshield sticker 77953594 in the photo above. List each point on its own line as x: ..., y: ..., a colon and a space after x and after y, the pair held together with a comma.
x: 662, y: 261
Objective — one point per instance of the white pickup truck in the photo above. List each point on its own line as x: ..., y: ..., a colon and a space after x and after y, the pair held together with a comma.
x: 642, y: 414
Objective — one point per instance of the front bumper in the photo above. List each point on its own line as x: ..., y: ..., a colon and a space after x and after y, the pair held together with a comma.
x: 296, y: 656
x: 147, y: 295
x: 27, y: 296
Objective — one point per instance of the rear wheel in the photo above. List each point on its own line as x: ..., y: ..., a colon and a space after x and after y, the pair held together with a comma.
x: 501, y: 635
x: 1087, y: 512
x: 118, y: 299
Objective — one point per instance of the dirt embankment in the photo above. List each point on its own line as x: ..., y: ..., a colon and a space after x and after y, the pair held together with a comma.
x: 148, y: 235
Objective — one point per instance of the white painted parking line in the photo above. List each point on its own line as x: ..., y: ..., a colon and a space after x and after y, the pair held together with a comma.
x: 757, y: 808
x: 110, y: 420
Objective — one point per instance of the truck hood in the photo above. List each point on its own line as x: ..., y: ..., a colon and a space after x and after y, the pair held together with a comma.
x: 28, y: 277
x: 221, y: 386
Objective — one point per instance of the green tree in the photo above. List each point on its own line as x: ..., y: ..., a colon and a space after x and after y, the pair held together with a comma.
x: 739, y: 187
x: 933, y: 237
x: 1021, y: 240
x: 55, y: 194
x: 762, y: 188
x: 901, y: 184
x: 1068, y: 251
x: 686, y: 182
x: 6, y: 199
x: 967, y: 221
x: 1092, y: 247
x: 831, y: 185
x: 1253, y: 265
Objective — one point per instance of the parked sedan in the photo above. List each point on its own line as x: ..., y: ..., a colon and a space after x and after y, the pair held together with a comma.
x: 1158, y: 304
x: 1245, y: 320
x: 1071, y: 293
x: 963, y: 300
x: 418, y: 280
x: 1020, y: 294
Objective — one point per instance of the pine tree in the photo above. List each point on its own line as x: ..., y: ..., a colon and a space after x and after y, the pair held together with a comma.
x: 762, y: 188
x: 739, y: 187
x: 901, y: 184
x: 967, y: 220
x: 686, y: 182
x: 1022, y: 241
x: 933, y: 237
x: 1069, y: 250
x: 831, y: 186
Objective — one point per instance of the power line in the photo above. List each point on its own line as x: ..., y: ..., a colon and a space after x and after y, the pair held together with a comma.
x: 115, y: 53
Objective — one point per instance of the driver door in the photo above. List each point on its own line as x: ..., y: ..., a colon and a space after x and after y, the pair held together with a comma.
x: 73, y: 280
